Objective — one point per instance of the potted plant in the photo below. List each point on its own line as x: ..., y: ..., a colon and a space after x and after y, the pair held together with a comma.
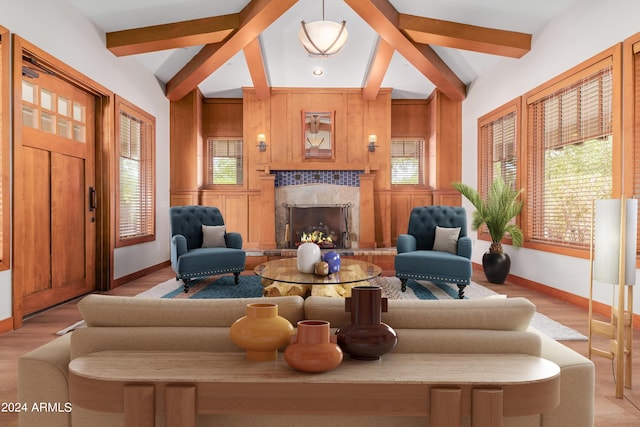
x: 496, y: 210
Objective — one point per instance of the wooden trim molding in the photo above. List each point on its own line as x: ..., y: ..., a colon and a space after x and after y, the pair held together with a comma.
x: 138, y: 274
x: 6, y: 325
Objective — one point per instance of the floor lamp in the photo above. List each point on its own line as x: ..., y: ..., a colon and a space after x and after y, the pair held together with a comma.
x: 612, y: 259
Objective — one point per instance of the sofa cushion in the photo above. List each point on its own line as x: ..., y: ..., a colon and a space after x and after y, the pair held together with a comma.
x: 508, y: 314
x: 107, y: 310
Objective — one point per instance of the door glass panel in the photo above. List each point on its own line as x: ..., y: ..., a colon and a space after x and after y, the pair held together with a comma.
x: 29, y: 92
x: 29, y: 117
x: 64, y: 129
x: 46, y: 100
x: 78, y: 132
x: 78, y: 112
x: 47, y: 122
x: 63, y: 106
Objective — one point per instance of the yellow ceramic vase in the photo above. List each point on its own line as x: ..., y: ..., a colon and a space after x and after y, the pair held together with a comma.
x: 261, y: 332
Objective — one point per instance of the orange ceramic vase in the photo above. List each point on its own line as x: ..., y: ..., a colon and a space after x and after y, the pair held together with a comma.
x: 313, y: 349
x: 261, y: 332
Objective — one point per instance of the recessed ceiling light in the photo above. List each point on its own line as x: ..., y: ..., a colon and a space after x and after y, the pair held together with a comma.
x: 317, y: 71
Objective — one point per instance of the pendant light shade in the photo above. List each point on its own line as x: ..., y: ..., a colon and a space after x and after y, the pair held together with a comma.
x: 323, y: 38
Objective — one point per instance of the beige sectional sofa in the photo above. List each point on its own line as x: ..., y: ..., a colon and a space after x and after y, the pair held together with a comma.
x: 492, y: 325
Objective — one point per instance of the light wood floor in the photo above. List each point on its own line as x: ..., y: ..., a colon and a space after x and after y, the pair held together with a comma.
x: 609, y: 410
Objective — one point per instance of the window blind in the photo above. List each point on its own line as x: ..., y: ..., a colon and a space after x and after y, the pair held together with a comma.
x: 136, y: 211
x: 570, y: 158
x: 225, y: 161
x: 498, y: 155
x: 407, y: 161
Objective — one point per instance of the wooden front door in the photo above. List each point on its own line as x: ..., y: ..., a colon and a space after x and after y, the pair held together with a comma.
x: 54, y: 170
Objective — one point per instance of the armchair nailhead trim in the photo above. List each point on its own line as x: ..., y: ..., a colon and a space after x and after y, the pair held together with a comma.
x: 431, y: 277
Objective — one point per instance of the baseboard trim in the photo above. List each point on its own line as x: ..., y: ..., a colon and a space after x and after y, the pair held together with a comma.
x: 598, y: 307
x: 6, y: 325
x: 138, y: 274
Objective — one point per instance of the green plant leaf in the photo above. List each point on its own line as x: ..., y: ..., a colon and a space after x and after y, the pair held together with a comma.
x: 496, y: 210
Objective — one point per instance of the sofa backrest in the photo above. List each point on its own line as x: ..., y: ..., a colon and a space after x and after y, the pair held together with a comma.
x: 188, y: 221
x: 109, y: 311
x: 502, y: 314
x: 424, y: 219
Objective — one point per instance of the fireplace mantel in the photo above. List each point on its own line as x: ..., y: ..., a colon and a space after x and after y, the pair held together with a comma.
x: 316, y: 166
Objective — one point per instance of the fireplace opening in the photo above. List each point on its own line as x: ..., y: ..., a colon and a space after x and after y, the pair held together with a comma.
x: 325, y: 225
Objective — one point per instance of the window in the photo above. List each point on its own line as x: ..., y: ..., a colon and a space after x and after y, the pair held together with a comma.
x: 225, y: 161
x: 570, y: 143
x: 498, y: 140
x: 407, y: 161
x: 136, y: 175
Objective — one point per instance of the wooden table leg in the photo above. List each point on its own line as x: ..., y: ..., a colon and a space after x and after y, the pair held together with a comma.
x: 445, y: 404
x: 139, y: 405
x: 180, y: 406
x: 486, y: 408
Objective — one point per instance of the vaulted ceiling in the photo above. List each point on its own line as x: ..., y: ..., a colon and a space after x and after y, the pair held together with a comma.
x: 410, y: 46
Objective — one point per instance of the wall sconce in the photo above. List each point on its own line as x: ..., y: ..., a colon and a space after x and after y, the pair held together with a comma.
x: 262, y: 145
x: 372, y: 143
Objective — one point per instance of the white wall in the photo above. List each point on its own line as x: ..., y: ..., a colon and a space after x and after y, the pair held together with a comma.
x: 581, y: 32
x: 57, y: 28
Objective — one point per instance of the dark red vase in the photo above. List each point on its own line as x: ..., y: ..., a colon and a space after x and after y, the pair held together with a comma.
x: 366, y: 337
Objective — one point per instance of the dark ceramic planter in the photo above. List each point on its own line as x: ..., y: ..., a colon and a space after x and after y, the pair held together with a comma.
x: 496, y: 266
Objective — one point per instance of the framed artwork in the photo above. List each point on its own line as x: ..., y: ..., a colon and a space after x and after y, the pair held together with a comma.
x: 317, y: 134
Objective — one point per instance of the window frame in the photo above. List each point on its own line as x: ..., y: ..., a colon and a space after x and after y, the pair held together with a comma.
x: 123, y: 105
x: 485, y: 169
x: 613, y: 57
x: 209, y: 158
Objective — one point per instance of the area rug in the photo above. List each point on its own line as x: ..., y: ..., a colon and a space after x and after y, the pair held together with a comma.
x: 249, y: 286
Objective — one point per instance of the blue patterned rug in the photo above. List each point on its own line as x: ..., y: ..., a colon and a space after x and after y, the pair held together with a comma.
x: 250, y: 286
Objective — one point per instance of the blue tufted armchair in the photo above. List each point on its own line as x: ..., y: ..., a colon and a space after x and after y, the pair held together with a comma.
x: 450, y: 262
x: 198, y: 251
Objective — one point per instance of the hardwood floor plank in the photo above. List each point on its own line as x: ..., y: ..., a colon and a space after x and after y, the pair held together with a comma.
x: 609, y: 411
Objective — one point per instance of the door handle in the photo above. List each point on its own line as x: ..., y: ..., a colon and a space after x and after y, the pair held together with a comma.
x: 92, y: 199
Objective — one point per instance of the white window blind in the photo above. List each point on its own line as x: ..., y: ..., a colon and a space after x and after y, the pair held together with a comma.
x: 225, y: 161
x: 570, y: 158
x: 407, y: 161
x: 136, y: 204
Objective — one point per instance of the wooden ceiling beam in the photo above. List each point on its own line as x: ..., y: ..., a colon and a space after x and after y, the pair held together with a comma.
x: 172, y: 36
x: 384, y: 19
x: 254, y: 19
x: 463, y: 36
x: 255, y: 63
x: 377, y: 70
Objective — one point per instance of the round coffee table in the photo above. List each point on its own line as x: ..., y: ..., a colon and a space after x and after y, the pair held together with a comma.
x: 281, y: 277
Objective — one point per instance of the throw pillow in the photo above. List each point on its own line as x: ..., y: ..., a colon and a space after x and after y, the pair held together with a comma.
x: 446, y: 239
x: 213, y: 236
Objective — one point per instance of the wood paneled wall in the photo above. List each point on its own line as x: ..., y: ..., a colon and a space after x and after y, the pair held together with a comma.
x: 250, y: 208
